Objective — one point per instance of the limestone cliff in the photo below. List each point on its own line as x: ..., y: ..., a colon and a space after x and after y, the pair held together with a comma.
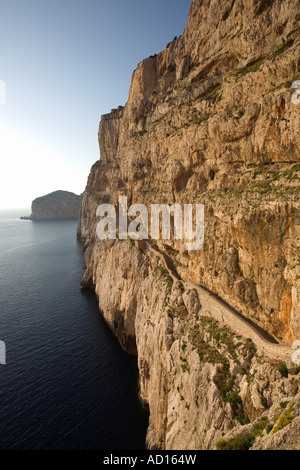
x: 56, y: 205
x: 209, y: 120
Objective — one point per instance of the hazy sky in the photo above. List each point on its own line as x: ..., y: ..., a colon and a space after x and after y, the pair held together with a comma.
x: 64, y: 63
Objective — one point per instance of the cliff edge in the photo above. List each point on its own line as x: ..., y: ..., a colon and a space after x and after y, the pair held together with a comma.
x: 209, y: 120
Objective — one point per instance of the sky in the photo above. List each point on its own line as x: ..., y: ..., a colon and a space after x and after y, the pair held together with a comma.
x: 64, y: 63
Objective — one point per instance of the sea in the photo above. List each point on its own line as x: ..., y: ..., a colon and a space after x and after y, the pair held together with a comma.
x: 67, y: 384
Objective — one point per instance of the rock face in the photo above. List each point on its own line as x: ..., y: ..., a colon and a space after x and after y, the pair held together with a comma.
x: 208, y: 120
x: 56, y: 205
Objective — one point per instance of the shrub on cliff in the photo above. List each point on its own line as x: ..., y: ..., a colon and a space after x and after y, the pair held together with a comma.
x: 242, y: 442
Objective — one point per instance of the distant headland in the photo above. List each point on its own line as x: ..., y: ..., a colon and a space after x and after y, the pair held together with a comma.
x: 59, y: 205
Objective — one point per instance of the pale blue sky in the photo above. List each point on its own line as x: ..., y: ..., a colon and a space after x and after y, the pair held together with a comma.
x: 64, y: 63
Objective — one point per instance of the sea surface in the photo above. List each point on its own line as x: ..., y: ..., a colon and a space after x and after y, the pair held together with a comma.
x: 67, y: 384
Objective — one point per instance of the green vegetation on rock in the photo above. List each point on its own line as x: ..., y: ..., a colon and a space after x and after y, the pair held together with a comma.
x: 284, y: 419
x: 242, y: 442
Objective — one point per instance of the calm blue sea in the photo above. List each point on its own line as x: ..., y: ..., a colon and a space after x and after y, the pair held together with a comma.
x: 67, y: 383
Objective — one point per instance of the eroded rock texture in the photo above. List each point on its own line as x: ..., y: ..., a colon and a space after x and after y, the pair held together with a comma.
x: 208, y: 120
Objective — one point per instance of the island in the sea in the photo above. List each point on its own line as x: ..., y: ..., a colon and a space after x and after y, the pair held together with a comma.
x: 58, y: 205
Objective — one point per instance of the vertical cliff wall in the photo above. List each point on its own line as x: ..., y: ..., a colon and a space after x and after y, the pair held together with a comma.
x: 209, y: 120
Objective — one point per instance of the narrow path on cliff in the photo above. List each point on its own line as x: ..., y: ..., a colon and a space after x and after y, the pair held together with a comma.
x: 262, y: 334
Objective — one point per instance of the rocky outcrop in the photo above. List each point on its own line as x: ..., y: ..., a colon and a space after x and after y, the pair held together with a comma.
x: 203, y: 383
x: 56, y: 205
x: 208, y: 120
